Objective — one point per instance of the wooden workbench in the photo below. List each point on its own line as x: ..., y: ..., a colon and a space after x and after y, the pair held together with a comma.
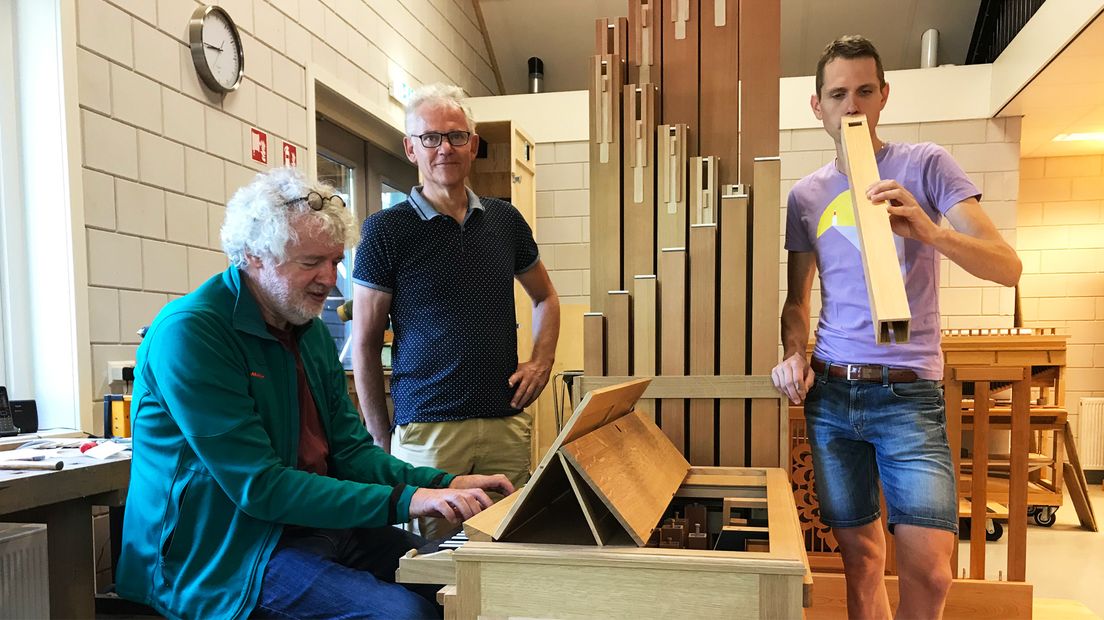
x: 63, y: 500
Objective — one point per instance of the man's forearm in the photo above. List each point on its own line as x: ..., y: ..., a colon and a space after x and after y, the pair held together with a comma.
x: 795, y: 329
x: 992, y: 260
x: 368, y: 377
x: 546, y: 329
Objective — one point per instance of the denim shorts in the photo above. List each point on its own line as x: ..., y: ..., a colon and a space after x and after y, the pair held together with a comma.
x: 861, y: 432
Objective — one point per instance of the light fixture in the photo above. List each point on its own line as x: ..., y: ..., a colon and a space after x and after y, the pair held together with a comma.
x: 1079, y: 137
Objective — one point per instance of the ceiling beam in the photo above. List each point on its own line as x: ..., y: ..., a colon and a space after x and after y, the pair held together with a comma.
x: 490, y: 49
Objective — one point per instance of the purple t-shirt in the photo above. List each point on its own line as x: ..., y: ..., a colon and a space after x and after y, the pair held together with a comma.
x: 819, y: 218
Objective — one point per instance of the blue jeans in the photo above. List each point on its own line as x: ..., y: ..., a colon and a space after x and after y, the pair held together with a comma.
x: 342, y: 574
x: 861, y: 432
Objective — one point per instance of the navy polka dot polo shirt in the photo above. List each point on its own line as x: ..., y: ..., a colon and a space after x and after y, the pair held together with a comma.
x: 452, y: 304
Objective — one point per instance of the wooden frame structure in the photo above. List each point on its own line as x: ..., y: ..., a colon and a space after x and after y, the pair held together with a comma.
x: 580, y: 526
x: 694, y: 66
x: 885, y: 286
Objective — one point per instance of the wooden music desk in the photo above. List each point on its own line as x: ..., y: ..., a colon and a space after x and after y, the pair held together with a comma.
x: 63, y: 500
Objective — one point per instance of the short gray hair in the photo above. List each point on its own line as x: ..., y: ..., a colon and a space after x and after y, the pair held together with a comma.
x: 259, y: 222
x: 437, y: 95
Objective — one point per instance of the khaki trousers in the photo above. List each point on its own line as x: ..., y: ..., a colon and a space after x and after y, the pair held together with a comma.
x: 473, y: 446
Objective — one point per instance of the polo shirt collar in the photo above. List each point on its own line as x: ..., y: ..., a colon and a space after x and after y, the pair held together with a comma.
x: 427, y: 212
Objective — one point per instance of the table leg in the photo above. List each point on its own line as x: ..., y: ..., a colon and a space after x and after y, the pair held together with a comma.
x: 69, y: 552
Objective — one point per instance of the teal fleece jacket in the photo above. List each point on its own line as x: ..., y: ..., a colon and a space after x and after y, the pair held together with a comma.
x: 215, y: 423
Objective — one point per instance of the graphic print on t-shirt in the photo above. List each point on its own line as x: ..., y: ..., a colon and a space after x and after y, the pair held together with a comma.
x: 839, y: 217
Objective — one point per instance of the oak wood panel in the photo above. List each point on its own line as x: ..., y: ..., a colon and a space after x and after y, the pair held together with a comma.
x: 611, y: 36
x: 640, y: 180
x: 633, y: 468
x: 768, y: 443
x: 645, y: 41
x: 671, y: 186
x: 719, y: 107
x: 759, y: 68
x: 680, y: 67
x: 732, y: 320
x: 598, y: 407
x: 704, y: 386
x: 704, y: 191
x: 672, y: 322
x: 594, y: 344
x: 703, y: 332
x: 645, y: 327
x: 606, y: 84
x: 618, y: 323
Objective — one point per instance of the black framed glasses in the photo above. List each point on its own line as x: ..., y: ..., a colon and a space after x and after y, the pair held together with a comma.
x: 316, y: 201
x: 433, y: 139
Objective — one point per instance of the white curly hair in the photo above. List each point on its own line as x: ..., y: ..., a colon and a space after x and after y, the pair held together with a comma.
x: 437, y: 95
x: 259, y: 220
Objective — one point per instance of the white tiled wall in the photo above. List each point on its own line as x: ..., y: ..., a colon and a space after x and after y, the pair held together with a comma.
x: 161, y: 154
x: 563, y: 217
x: 1061, y: 235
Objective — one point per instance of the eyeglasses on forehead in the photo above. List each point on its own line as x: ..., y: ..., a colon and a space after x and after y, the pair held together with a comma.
x: 433, y: 139
x: 316, y: 201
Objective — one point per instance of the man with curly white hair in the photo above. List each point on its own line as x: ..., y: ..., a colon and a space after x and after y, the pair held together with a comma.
x: 255, y: 489
x: 441, y: 265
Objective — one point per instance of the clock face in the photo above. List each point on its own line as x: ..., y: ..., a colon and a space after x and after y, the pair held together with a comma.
x: 216, y: 48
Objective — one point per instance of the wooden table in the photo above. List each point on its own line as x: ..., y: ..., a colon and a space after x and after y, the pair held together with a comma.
x: 63, y: 500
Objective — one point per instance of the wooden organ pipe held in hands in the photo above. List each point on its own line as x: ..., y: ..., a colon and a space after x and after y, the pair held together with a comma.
x: 885, y: 285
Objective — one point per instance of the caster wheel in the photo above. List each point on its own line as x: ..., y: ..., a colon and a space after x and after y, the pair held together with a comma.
x: 1046, y: 516
x: 1032, y: 511
x: 993, y: 530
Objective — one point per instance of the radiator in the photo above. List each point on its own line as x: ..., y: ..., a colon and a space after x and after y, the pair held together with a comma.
x: 24, y: 582
x: 1090, y: 438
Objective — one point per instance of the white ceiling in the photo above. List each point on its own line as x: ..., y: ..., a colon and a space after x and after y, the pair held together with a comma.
x: 1066, y: 97
x: 561, y: 33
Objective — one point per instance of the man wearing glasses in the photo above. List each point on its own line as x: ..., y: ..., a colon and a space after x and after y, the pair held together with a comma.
x: 442, y: 265
x: 255, y: 488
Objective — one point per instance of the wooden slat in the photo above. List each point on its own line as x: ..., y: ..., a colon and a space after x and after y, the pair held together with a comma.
x: 759, y: 68
x: 952, y: 397
x: 633, y: 468
x: 672, y: 325
x: 719, y: 108
x: 1084, y: 509
x: 978, y: 492
x: 594, y: 344
x: 768, y: 434
x: 988, y: 374
x: 597, y: 408
x: 671, y: 192
x: 703, y: 332
x: 434, y: 568
x: 732, y: 319
x: 640, y: 178
x: 966, y: 600
x: 680, y: 387
x: 611, y: 36
x: 606, y: 84
x: 645, y: 40
x: 644, y: 326
x: 618, y: 322
x: 704, y: 190
x: 1017, y: 486
x: 680, y: 67
x: 885, y: 286
x: 483, y: 525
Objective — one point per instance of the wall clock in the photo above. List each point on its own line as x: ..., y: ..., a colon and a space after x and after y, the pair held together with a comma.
x: 216, y: 48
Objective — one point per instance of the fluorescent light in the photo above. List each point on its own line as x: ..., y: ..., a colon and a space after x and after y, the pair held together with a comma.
x: 1079, y: 137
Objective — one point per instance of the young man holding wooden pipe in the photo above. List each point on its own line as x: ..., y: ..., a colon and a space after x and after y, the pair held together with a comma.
x: 876, y: 411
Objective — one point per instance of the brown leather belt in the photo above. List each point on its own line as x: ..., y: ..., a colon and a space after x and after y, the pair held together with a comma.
x: 863, y: 372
